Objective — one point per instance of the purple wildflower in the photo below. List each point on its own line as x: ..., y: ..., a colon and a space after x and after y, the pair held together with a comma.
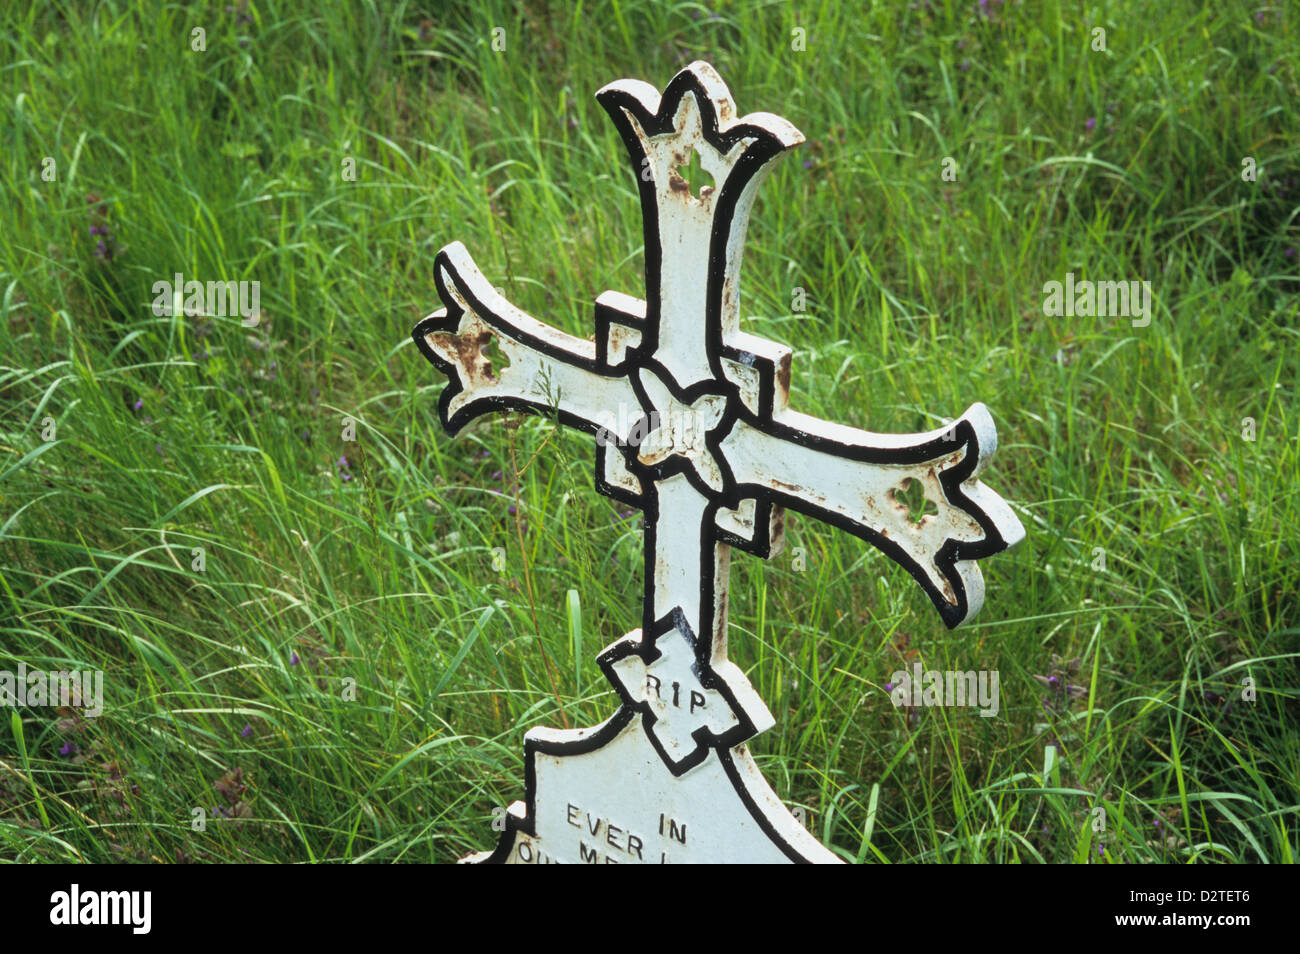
x: 889, y: 687
x: 293, y: 659
x: 139, y: 403
x: 246, y: 731
x: 1091, y: 124
x: 68, y: 749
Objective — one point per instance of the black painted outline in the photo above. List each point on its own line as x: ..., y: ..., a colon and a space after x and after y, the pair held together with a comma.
x: 960, y: 435
x: 767, y: 145
x: 598, y: 739
x: 648, y: 650
x: 706, y: 742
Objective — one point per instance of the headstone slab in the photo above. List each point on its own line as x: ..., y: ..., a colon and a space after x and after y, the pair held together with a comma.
x: 693, y: 427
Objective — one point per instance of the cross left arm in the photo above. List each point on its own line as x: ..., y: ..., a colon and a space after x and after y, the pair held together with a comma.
x: 548, y: 371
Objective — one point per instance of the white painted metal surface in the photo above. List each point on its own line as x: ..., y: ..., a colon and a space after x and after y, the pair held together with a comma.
x: 692, y: 426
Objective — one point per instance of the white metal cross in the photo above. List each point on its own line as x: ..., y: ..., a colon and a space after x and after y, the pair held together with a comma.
x: 693, y: 428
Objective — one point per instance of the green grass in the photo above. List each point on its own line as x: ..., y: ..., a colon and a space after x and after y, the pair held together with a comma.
x: 924, y: 295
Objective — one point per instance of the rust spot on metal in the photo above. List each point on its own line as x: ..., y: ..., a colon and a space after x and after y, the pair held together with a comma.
x: 622, y: 339
x: 792, y: 489
x: 678, y: 184
x: 783, y: 374
x: 777, y: 525
x: 468, y: 351
x: 948, y: 594
x: 729, y: 306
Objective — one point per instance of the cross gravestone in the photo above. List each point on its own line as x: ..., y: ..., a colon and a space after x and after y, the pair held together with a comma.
x: 704, y: 444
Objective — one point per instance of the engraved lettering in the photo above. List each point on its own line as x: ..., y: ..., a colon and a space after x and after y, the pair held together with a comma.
x: 675, y: 832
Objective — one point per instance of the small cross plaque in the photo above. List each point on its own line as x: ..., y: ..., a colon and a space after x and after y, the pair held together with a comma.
x: 692, y: 427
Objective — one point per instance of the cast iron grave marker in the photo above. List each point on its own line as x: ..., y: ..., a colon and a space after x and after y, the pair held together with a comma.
x: 712, y: 456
